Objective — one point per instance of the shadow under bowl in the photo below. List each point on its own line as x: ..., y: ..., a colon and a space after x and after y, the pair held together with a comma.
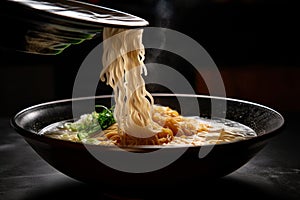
x: 147, y: 165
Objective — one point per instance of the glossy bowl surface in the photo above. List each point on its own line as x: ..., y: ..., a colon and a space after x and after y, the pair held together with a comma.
x: 76, y: 160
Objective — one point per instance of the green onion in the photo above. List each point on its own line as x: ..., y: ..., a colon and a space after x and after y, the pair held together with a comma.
x: 89, y: 124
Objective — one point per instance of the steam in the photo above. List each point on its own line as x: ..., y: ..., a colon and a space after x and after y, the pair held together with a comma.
x: 164, y: 11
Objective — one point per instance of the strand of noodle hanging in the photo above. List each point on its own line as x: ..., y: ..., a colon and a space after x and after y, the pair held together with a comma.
x: 123, y: 67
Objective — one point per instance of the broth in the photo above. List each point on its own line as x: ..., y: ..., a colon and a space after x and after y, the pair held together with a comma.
x: 182, y: 130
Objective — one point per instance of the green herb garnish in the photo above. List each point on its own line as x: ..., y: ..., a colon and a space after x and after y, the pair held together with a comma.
x: 89, y: 124
x: 106, y: 117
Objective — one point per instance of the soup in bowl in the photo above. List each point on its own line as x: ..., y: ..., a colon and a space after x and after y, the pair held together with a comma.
x: 202, y: 137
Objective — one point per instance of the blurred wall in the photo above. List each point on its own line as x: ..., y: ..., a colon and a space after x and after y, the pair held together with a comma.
x: 254, y: 44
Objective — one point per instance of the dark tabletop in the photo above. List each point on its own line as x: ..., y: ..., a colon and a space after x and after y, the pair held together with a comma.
x: 274, y: 173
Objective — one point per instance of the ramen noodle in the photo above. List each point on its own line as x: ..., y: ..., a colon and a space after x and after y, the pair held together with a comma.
x: 123, y: 67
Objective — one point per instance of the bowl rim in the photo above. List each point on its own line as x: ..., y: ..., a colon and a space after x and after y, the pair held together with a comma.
x: 33, y: 135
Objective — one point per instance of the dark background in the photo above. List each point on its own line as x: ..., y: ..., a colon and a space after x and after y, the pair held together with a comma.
x: 254, y: 44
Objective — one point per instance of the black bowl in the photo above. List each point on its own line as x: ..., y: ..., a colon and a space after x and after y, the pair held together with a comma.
x: 76, y: 161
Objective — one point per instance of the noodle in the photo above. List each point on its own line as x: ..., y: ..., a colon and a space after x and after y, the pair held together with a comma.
x: 122, y: 59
